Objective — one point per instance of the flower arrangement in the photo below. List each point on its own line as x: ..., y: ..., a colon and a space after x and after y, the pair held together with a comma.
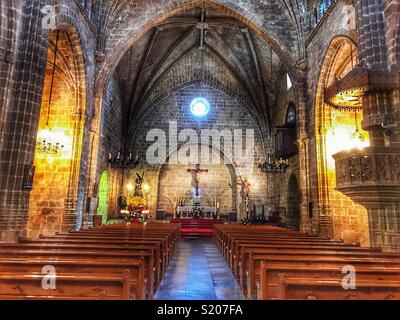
x: 136, y: 211
x: 246, y: 222
x: 197, y: 212
x: 261, y: 220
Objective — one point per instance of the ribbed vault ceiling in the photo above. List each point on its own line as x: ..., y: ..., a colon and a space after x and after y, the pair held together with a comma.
x: 201, y: 45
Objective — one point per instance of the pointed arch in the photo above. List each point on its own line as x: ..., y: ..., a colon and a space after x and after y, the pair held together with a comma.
x: 339, y: 216
x: 54, y: 198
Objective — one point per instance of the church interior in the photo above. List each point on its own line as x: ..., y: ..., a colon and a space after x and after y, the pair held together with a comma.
x: 200, y: 150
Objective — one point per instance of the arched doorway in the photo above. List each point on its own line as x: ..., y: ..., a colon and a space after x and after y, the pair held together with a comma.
x: 293, y: 205
x: 104, y: 193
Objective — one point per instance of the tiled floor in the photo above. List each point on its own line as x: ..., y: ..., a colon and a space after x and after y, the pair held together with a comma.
x: 198, y: 272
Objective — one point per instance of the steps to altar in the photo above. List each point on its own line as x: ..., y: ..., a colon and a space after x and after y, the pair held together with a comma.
x: 197, y: 227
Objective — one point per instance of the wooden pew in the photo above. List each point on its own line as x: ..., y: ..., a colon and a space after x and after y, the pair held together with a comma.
x: 237, y: 258
x: 253, y: 274
x: 75, y: 250
x: 161, y: 256
x: 247, y: 249
x: 331, y: 289
x: 23, y: 286
x: 242, y: 259
x: 139, y: 250
x: 135, y: 269
x: 271, y: 272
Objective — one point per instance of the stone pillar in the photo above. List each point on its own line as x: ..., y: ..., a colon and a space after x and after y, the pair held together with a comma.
x: 392, y: 20
x: 371, y: 34
x: 20, y: 129
x: 323, y: 224
x: 379, y: 118
x: 378, y: 111
x: 384, y: 226
x: 304, y: 158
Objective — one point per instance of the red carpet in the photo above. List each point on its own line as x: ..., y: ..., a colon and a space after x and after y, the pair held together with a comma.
x: 197, y: 227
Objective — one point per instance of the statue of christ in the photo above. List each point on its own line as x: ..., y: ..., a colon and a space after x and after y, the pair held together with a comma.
x: 196, y: 173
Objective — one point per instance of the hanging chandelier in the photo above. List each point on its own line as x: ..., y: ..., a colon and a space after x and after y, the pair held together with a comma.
x: 274, y: 166
x: 120, y: 161
x: 47, y: 145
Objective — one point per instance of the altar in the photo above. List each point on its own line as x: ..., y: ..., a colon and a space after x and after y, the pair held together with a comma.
x: 187, y: 211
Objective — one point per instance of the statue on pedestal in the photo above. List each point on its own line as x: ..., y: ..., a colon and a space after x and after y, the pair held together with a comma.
x: 138, y: 187
x: 245, y: 188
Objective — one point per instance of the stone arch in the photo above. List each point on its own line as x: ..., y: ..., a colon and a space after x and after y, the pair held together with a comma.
x: 61, y: 120
x: 114, y: 55
x: 118, y: 47
x: 293, y: 215
x: 339, y: 216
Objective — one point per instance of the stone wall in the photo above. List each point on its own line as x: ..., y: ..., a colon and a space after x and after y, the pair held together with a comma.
x: 225, y: 113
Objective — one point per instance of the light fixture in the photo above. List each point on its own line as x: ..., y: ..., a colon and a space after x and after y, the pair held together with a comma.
x: 273, y: 166
x: 120, y: 161
x: 46, y: 145
x: 357, y: 133
x: 200, y: 107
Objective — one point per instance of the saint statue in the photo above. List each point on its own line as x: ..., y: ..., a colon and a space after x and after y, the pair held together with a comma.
x: 138, y: 188
x: 196, y: 173
x: 245, y: 188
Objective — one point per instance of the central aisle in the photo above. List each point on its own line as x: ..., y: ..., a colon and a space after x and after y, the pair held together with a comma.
x: 198, y: 272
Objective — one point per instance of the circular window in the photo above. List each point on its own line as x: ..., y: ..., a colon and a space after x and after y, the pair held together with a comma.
x: 200, y: 107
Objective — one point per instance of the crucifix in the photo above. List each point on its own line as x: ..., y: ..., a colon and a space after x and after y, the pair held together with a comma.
x: 196, y: 173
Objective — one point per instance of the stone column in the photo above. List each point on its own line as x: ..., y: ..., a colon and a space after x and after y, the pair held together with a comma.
x: 304, y: 157
x: 19, y: 131
x: 384, y: 226
x: 379, y: 113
